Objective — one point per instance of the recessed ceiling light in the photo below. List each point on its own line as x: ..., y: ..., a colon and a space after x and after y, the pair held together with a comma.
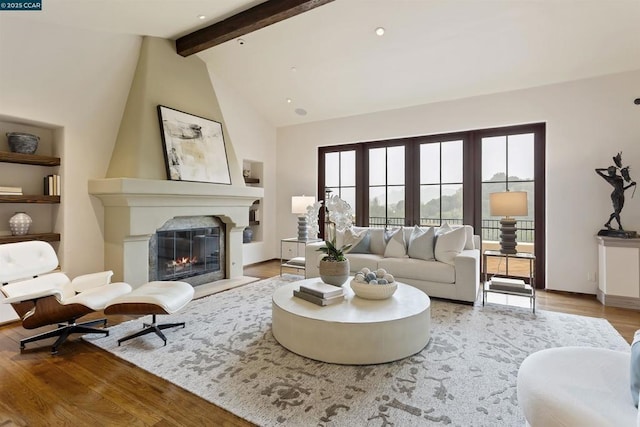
x: 289, y: 100
x: 380, y: 31
x: 294, y: 69
x: 201, y: 17
x: 241, y: 42
x: 301, y: 111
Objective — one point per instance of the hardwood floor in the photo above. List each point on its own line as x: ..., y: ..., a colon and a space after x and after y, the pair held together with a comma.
x: 84, y: 385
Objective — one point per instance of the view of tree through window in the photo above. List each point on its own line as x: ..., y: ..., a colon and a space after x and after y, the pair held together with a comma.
x: 340, y: 175
x: 429, y: 180
x: 441, y: 183
x: 386, y: 186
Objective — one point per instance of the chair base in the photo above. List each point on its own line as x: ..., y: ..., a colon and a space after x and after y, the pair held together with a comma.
x: 64, y: 330
x: 152, y: 327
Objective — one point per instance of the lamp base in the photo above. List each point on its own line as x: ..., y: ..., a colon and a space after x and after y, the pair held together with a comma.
x: 303, y: 228
x: 508, y: 236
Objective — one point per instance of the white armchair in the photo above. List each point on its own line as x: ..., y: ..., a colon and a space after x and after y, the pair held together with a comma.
x: 42, y: 299
x: 577, y: 386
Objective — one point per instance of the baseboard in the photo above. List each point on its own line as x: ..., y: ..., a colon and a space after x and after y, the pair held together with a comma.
x: 618, y: 301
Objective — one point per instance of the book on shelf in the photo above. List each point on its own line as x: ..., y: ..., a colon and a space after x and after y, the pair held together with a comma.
x: 317, y: 300
x: 321, y: 290
x: 521, y: 290
x: 52, y: 185
x: 10, y: 190
x: 505, y: 281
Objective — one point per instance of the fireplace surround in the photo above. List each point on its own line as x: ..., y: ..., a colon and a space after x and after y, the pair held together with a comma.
x: 134, y: 209
x: 188, y: 249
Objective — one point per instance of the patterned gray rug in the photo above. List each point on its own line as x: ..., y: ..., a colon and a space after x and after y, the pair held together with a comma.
x: 466, y: 376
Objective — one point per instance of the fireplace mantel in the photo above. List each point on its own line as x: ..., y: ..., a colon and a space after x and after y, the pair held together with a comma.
x: 135, y: 208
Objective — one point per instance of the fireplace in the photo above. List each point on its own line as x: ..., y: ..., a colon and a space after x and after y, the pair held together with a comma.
x: 189, y: 249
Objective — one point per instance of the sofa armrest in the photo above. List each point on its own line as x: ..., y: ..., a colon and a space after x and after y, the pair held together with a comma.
x: 312, y: 259
x: 476, y: 242
x: 467, y: 265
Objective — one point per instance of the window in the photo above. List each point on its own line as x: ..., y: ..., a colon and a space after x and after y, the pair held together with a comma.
x: 340, y: 175
x: 386, y: 186
x: 441, y: 192
x: 429, y: 180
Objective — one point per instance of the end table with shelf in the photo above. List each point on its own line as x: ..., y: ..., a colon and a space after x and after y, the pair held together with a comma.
x: 529, y: 290
x: 297, y: 261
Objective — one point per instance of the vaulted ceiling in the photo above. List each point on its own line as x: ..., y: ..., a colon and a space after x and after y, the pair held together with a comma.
x: 328, y: 62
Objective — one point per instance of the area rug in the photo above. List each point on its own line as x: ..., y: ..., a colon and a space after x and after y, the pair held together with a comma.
x: 465, y: 376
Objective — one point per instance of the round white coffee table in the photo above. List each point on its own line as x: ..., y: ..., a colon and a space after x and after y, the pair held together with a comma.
x: 356, y: 331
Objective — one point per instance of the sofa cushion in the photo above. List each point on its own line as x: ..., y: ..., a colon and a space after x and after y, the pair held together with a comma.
x: 635, y: 368
x: 418, y: 269
x: 421, y: 243
x: 359, y: 261
x: 396, y: 246
x: 377, y: 243
x: 359, y: 241
x: 449, y: 245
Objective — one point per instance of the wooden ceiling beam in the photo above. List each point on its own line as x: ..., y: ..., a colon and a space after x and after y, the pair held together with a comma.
x: 250, y: 20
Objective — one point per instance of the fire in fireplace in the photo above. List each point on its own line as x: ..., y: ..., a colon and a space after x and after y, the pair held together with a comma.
x: 190, y: 249
x: 186, y: 253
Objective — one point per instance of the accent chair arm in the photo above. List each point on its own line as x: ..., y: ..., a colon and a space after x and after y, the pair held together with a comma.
x: 93, y: 280
x: 57, y: 292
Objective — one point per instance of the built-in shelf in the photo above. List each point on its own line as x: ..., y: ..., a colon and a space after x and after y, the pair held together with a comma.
x: 46, y: 237
x: 29, y: 198
x: 28, y: 159
x: 254, y: 222
x: 252, y: 181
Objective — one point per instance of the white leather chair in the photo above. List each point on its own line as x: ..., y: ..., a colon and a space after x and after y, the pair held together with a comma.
x: 577, y: 386
x: 42, y: 297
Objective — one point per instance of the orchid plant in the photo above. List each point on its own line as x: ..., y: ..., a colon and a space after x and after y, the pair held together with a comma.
x: 340, y: 216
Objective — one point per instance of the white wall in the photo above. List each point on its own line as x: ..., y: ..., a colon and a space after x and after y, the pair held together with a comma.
x: 254, y: 139
x: 588, y: 122
x: 76, y: 81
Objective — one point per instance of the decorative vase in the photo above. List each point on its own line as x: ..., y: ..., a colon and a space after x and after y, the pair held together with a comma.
x: 334, y: 272
x: 24, y: 143
x: 247, y: 235
x: 19, y: 224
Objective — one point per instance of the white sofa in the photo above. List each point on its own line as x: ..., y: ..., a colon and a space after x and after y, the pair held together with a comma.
x: 458, y: 279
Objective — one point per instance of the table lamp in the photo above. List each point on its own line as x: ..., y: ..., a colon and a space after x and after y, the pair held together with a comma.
x: 508, y: 204
x: 299, y: 207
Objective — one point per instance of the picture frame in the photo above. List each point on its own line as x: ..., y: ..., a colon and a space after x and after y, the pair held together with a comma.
x: 194, y: 147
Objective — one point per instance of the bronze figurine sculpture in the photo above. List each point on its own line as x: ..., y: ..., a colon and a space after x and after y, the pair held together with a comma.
x: 617, y: 181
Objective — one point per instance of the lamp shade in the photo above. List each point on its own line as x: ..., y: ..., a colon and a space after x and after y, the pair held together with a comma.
x: 508, y: 203
x: 299, y: 204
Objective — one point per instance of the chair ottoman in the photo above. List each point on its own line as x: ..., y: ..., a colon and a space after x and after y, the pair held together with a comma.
x: 159, y: 297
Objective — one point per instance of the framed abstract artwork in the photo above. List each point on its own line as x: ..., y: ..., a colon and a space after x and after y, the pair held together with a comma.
x: 194, y: 147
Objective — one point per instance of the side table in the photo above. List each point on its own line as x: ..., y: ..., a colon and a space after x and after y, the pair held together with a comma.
x: 529, y: 291
x: 298, y: 261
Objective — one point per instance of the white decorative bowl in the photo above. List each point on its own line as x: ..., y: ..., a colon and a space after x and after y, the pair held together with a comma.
x: 367, y: 291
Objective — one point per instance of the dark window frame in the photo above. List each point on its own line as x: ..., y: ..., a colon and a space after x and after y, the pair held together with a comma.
x: 471, y: 176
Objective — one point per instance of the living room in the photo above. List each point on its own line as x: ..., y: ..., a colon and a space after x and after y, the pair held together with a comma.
x: 74, y: 81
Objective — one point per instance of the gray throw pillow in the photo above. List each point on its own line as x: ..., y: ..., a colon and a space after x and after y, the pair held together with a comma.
x: 360, y: 242
x: 635, y: 367
x: 421, y: 243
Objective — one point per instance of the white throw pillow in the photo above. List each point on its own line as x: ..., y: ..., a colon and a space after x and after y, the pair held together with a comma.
x: 359, y: 241
x: 443, y: 229
x: 449, y: 245
x: 421, y: 243
x: 396, y: 246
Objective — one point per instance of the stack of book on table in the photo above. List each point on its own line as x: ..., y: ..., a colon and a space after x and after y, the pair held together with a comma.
x: 511, y: 285
x: 10, y: 191
x: 320, y: 293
